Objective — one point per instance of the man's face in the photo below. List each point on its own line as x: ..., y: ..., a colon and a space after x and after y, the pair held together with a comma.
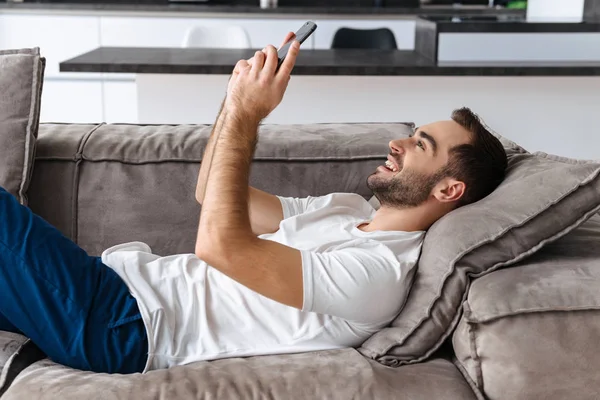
x: 417, y: 164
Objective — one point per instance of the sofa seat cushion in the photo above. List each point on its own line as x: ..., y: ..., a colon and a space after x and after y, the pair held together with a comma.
x: 337, y: 374
x: 531, y: 331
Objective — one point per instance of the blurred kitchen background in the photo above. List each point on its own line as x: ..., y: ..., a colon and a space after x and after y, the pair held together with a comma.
x: 530, y: 68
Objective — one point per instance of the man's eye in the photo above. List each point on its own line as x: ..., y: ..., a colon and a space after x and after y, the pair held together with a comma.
x: 420, y: 144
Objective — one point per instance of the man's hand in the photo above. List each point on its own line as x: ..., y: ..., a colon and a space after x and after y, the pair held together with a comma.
x: 256, y: 86
x: 236, y: 70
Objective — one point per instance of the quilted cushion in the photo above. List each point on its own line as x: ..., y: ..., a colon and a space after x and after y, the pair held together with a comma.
x: 337, y: 374
x: 21, y: 77
x: 531, y: 331
x: 542, y: 198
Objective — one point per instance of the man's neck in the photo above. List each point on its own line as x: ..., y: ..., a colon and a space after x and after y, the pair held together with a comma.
x: 400, y: 219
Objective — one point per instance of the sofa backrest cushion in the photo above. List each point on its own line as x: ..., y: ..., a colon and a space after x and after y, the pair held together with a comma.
x: 107, y: 184
x: 542, y: 198
x: 21, y: 78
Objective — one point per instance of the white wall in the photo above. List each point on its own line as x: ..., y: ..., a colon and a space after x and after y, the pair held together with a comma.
x: 558, y: 115
x: 555, y: 10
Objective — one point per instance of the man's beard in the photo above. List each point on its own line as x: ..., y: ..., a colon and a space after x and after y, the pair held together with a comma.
x: 404, y: 190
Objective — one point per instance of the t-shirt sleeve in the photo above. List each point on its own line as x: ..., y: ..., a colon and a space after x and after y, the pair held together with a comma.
x: 294, y: 205
x: 363, y: 285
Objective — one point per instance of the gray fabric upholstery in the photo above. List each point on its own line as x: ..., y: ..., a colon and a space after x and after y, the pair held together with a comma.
x: 10, y: 343
x: 542, y: 198
x: 510, y: 147
x: 16, y: 353
x: 339, y: 374
x: 531, y: 331
x: 21, y: 78
x: 108, y: 184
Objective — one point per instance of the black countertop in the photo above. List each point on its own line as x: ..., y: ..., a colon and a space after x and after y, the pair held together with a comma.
x: 310, y: 62
x: 241, y: 9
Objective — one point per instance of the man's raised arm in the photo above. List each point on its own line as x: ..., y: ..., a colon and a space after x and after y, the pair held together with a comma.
x: 264, y: 208
x: 225, y: 238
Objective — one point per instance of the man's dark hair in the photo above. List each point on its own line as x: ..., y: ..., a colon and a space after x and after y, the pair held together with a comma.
x: 481, y: 164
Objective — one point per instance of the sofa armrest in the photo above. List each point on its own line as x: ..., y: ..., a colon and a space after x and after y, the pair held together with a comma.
x: 16, y: 353
x: 531, y: 331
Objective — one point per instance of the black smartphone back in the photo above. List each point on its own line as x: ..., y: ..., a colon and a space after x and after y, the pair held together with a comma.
x: 303, y: 33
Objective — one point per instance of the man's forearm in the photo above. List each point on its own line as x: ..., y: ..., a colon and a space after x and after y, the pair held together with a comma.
x: 225, y: 216
x: 254, y: 90
x: 207, y: 157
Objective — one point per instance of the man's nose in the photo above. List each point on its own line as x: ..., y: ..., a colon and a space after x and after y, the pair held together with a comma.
x: 397, y: 146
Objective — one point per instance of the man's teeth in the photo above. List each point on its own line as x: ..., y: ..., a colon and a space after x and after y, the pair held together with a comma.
x: 391, y: 166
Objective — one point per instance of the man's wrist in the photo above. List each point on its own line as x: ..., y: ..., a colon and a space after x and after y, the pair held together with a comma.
x: 241, y: 115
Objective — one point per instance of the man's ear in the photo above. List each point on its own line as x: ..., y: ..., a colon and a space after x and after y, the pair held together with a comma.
x: 449, y: 190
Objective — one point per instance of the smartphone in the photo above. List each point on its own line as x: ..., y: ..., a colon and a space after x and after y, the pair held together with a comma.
x: 303, y: 33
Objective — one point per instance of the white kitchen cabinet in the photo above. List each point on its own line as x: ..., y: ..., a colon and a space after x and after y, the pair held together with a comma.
x: 404, y: 30
x: 503, y: 47
x: 144, y: 31
x: 120, y: 101
x: 263, y: 33
x: 58, y: 37
x: 78, y: 101
x: 97, y: 97
x: 170, y: 31
x: 66, y: 97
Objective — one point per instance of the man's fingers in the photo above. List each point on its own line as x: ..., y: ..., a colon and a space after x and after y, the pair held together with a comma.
x: 290, y: 60
x: 259, y: 61
x: 271, y: 62
x: 288, y: 37
x: 241, y: 65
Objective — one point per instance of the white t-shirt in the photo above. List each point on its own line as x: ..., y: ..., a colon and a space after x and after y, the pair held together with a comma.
x: 355, y: 283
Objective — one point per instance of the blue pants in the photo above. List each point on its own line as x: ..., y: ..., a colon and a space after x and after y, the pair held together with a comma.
x: 71, y: 305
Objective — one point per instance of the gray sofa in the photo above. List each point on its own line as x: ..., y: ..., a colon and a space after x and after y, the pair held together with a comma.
x: 505, y: 303
x: 517, y: 338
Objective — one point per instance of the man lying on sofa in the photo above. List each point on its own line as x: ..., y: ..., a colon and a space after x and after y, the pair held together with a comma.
x: 270, y: 275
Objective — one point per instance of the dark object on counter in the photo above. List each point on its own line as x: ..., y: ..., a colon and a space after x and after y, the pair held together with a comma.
x: 95, y: 2
x: 460, y: 2
x: 591, y: 10
x: 381, y: 39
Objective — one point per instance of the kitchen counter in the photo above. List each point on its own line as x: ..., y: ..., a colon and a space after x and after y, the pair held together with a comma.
x: 506, y: 24
x: 537, y: 99
x: 310, y: 62
x: 506, y: 38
